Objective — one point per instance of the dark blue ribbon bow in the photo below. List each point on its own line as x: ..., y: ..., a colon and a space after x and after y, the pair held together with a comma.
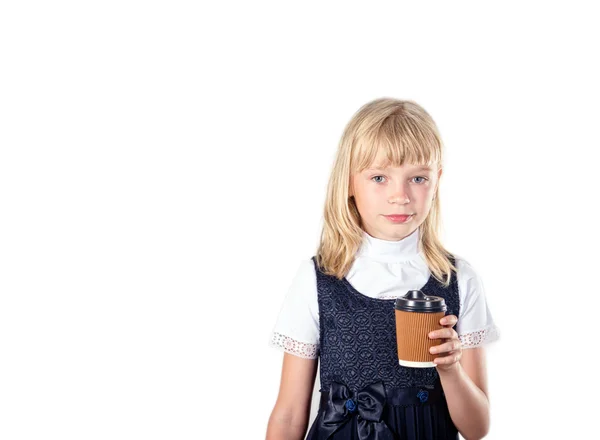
x: 367, y: 404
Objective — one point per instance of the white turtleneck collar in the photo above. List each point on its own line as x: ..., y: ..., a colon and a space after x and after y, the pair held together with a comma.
x: 390, y: 251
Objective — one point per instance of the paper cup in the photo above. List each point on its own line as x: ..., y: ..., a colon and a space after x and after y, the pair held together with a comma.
x: 417, y: 315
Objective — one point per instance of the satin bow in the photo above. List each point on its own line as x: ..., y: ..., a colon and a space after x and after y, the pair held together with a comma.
x: 367, y: 404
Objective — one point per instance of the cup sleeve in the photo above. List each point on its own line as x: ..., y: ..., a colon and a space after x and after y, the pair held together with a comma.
x: 475, y: 326
x: 296, y: 329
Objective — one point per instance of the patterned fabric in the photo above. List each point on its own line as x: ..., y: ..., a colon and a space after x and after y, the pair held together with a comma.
x: 476, y: 339
x: 381, y: 269
x: 358, y: 335
x: 300, y: 349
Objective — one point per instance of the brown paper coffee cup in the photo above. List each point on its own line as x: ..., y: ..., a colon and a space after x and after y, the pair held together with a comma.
x: 417, y: 315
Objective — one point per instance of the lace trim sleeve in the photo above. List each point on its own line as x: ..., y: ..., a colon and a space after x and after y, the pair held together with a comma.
x: 480, y: 337
x: 289, y: 345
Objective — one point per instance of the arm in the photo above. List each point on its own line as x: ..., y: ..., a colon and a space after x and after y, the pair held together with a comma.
x: 465, y: 386
x: 289, y: 419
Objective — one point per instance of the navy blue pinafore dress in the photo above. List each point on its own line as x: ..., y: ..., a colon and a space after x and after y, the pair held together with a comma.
x: 365, y: 393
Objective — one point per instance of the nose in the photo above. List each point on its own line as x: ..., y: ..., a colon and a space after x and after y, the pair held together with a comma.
x: 399, y: 195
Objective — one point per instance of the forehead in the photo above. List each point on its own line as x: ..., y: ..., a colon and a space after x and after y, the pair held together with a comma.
x: 405, y: 159
x: 408, y: 167
x: 390, y: 150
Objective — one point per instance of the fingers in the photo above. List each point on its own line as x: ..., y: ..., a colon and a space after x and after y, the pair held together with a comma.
x: 451, y: 348
x: 449, y: 320
x: 448, y: 360
x: 446, y: 347
x: 445, y: 333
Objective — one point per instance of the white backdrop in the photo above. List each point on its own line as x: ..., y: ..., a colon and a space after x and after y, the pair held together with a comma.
x: 163, y: 170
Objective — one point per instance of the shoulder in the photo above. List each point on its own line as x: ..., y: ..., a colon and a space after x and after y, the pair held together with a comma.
x: 470, y: 285
x: 464, y: 269
x: 305, y: 279
x: 306, y: 269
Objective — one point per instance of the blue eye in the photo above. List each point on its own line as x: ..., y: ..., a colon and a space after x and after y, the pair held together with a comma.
x: 418, y: 177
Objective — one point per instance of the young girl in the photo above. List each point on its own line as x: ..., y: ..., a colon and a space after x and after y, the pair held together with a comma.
x: 380, y: 240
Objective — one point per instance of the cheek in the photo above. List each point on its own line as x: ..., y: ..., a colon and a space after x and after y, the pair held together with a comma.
x: 369, y: 199
x: 424, y: 192
x: 375, y: 195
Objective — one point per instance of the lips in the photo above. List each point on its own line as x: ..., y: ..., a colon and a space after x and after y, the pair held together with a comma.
x: 399, y: 218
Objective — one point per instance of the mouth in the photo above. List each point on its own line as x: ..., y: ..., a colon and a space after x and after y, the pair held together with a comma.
x: 395, y: 218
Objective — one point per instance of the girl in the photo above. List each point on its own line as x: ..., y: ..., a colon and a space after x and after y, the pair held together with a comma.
x: 380, y: 240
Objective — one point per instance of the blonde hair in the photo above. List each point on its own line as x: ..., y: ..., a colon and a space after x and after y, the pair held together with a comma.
x: 407, y: 134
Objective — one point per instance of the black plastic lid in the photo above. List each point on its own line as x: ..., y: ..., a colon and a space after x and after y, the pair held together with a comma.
x: 417, y: 301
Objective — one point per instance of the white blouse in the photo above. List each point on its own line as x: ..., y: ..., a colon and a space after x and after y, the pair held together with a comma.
x: 386, y: 270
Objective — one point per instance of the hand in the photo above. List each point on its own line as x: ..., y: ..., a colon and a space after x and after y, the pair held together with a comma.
x: 451, y: 348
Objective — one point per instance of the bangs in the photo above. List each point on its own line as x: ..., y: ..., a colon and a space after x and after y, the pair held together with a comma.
x: 399, y: 140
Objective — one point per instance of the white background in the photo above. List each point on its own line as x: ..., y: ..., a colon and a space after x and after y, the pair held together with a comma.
x: 163, y: 169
